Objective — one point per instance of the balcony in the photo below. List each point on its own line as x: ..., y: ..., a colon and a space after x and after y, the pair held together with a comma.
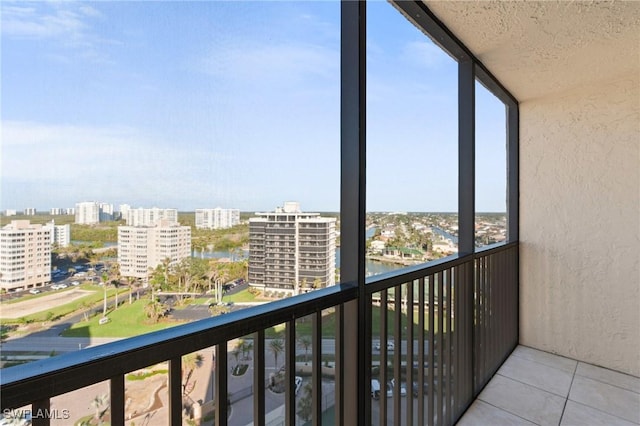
x: 408, y: 307
x: 485, y: 335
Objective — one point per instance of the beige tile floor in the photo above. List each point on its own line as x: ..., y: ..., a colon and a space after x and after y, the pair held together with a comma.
x: 538, y: 388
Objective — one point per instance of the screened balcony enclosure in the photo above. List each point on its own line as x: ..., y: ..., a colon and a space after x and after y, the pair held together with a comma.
x: 416, y: 346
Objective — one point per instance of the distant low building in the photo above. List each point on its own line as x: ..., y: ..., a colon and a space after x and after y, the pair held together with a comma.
x: 25, y: 255
x: 403, y: 252
x: 377, y: 246
x: 217, y: 218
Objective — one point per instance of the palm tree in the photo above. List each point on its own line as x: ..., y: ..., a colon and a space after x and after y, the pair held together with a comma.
x: 236, y: 354
x: 189, y: 363
x: 153, y: 310
x: 223, y: 275
x: 305, y: 342
x: 105, y: 280
x: 245, y: 347
x: 131, y: 281
x: 97, y: 404
x: 277, y: 347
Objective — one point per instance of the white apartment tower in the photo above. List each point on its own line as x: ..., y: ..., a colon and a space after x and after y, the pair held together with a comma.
x: 291, y: 251
x: 217, y: 218
x: 149, y: 217
x: 25, y: 255
x: 91, y: 212
x: 142, y: 248
x: 60, y: 234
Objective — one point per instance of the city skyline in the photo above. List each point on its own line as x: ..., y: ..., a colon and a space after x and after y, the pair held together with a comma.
x: 115, y: 92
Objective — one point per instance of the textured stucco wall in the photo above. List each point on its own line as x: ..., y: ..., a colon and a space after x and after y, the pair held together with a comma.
x: 580, y: 224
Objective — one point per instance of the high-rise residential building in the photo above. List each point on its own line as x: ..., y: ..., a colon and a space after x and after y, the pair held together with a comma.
x: 10, y: 212
x: 149, y: 217
x: 60, y: 234
x: 291, y: 251
x: 143, y: 248
x: 106, y: 212
x: 92, y: 212
x: 123, y: 210
x: 217, y: 218
x: 70, y: 210
x: 30, y: 211
x: 25, y: 255
x: 56, y: 211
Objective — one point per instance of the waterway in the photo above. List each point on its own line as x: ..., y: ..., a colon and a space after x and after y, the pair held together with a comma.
x: 445, y: 234
x: 371, y: 267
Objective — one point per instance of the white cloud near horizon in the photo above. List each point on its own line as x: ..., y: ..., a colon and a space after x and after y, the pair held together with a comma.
x: 106, y: 163
x: 270, y: 63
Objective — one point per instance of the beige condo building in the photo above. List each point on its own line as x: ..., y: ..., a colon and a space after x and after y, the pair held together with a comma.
x: 142, y: 248
x: 25, y: 255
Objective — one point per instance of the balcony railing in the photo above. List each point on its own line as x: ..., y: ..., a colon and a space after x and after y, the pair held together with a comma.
x: 440, y: 329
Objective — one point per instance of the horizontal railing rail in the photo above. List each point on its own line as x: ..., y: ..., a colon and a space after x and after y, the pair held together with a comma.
x: 53, y: 376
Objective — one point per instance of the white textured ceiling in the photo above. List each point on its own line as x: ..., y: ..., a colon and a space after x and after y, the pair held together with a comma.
x: 542, y: 48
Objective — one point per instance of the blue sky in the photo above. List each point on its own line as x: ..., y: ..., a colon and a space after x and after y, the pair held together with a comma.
x: 233, y: 104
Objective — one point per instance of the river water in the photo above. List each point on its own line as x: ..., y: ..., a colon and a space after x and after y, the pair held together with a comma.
x: 371, y: 267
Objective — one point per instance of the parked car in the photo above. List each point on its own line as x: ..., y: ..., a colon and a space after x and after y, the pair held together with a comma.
x: 61, y: 286
x: 75, y: 283
x: 390, y: 346
x: 375, y: 389
x: 34, y: 291
x: 391, y: 386
x: 56, y: 287
x: 298, y: 384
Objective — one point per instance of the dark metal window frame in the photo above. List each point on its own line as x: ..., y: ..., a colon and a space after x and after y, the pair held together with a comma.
x: 353, y: 167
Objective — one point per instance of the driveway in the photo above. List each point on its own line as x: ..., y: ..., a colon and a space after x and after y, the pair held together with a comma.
x: 43, y: 303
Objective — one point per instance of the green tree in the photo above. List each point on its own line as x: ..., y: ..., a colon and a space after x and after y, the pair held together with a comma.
x: 105, y: 280
x: 305, y: 342
x: 305, y: 405
x: 97, y: 403
x: 189, y: 363
x: 277, y: 347
x: 154, y: 310
x: 246, y: 347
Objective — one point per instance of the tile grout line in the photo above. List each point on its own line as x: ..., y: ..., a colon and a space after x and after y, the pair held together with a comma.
x: 564, y: 407
x: 507, y: 411
x: 547, y: 365
x: 608, y: 383
x: 603, y: 412
x: 534, y: 386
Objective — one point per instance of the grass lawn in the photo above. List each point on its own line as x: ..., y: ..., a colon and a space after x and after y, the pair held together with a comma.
x: 126, y: 321
x: 241, y: 296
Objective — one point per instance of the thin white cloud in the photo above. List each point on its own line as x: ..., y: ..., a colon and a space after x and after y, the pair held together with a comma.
x: 34, y: 23
x: 424, y: 54
x: 67, y: 24
x: 272, y: 64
